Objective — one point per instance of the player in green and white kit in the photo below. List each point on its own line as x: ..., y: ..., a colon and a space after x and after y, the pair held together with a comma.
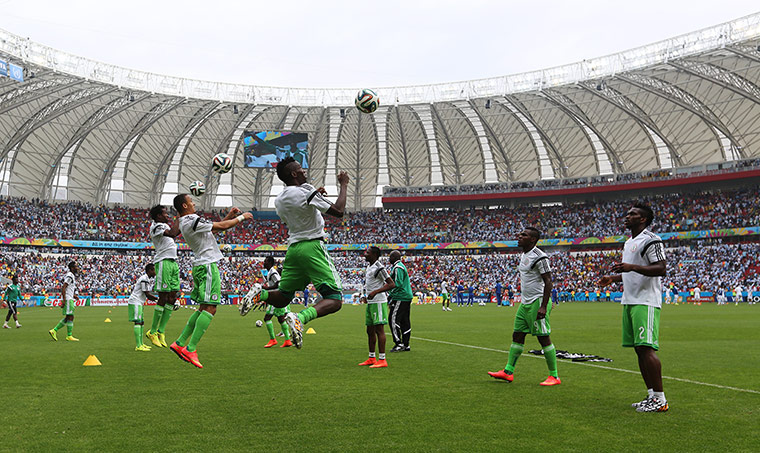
x: 68, y: 303
x: 12, y: 296
x: 141, y: 293
x: 167, y: 273
x: 533, y: 315
x: 272, y: 281
x: 377, y: 282
x: 445, y: 300
x: 301, y: 206
x: 640, y: 271
x: 207, y: 292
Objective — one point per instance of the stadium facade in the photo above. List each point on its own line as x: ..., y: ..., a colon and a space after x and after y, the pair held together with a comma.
x: 76, y: 129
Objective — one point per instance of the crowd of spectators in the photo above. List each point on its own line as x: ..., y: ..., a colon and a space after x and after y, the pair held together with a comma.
x: 674, y: 212
x: 708, y: 267
x: 589, y: 181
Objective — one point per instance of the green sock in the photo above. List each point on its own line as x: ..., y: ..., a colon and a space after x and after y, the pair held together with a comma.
x: 69, y: 328
x: 164, y: 319
x: 201, y: 325
x: 285, y: 330
x: 138, y: 335
x: 514, y: 353
x: 264, y: 294
x: 188, y: 330
x: 550, y: 354
x: 60, y: 324
x: 307, y: 315
x: 270, y: 329
x: 158, y: 312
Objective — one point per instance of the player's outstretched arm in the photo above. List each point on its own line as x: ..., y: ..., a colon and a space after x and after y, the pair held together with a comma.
x: 234, y: 212
x: 173, y: 232
x: 150, y: 296
x: 229, y: 223
x: 339, y: 207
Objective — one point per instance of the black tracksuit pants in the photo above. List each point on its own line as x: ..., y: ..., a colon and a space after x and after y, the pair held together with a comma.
x: 401, y: 325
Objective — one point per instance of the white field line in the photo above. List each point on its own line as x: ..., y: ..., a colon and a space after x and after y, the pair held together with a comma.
x: 707, y: 384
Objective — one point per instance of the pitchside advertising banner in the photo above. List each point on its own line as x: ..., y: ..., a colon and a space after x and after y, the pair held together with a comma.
x: 702, y: 234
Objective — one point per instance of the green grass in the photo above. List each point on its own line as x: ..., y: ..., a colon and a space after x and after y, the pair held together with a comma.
x: 435, y: 398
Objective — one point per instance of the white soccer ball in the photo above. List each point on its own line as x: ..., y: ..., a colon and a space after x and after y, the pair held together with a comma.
x: 197, y: 188
x: 221, y: 163
x: 226, y: 248
x: 259, y: 323
x: 367, y: 101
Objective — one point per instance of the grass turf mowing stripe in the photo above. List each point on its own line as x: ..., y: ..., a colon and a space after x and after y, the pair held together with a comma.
x: 726, y: 387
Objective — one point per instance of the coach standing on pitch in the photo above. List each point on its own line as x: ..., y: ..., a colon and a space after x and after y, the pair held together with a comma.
x: 400, y: 304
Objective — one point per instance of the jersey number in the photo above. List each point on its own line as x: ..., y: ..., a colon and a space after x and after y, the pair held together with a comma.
x: 641, y: 333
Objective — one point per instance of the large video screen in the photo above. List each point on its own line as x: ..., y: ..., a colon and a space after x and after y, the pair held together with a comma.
x: 264, y: 149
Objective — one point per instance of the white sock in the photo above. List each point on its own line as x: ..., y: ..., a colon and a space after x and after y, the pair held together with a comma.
x: 660, y: 396
x: 381, y: 356
x: 650, y: 392
x: 371, y: 355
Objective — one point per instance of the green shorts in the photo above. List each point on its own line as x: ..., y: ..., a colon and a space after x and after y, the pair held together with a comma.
x: 135, y: 312
x: 167, y: 276
x: 272, y: 310
x: 526, y: 322
x: 377, y: 314
x: 641, y: 326
x: 445, y: 297
x: 207, y: 287
x: 67, y: 308
x: 308, y: 262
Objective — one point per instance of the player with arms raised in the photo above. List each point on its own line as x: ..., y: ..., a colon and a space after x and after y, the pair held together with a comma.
x: 167, y: 272
x: 207, y: 285
x: 640, y: 271
x: 301, y: 206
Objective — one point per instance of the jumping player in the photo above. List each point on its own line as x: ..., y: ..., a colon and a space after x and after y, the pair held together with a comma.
x: 533, y: 315
x: 272, y: 281
x: 301, y: 206
x: 640, y: 271
x: 167, y: 273
x: 207, y: 291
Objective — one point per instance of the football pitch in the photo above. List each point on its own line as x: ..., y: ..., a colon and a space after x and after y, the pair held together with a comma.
x: 437, y: 397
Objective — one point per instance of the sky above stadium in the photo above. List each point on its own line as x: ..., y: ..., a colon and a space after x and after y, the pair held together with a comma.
x: 354, y: 43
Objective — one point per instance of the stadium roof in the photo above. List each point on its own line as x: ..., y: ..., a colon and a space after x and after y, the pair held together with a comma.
x: 78, y: 129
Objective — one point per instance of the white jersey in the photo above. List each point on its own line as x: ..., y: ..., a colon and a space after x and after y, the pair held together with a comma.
x: 638, y: 289
x: 444, y: 288
x: 165, y: 246
x: 374, y: 279
x: 71, y: 281
x: 144, y: 283
x: 301, y: 208
x: 532, y: 265
x: 273, y: 277
x: 197, y: 232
